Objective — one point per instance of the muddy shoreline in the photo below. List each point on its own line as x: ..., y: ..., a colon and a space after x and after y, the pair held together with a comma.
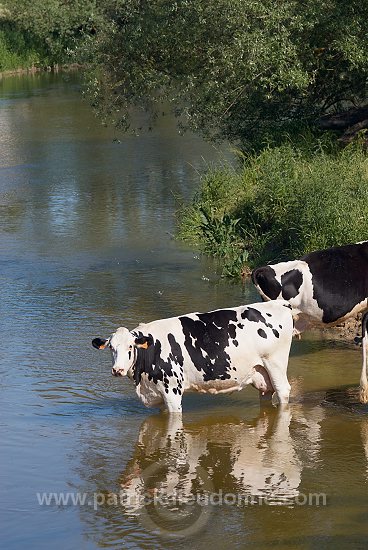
x: 46, y: 69
x: 347, y: 330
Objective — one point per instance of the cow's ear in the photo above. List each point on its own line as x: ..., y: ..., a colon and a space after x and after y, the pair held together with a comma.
x: 100, y: 343
x: 143, y: 342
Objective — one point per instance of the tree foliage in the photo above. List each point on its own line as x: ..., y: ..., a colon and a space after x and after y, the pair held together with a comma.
x: 58, y: 27
x: 234, y: 69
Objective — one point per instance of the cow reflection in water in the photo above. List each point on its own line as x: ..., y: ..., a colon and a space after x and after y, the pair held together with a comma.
x: 259, y: 459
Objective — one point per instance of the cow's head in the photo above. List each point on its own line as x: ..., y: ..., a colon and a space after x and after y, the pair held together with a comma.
x: 281, y: 281
x: 123, y: 345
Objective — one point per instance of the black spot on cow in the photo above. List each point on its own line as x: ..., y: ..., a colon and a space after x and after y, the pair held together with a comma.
x: 253, y: 315
x: 150, y: 362
x: 262, y: 333
x: 276, y: 333
x: 206, y: 338
x: 291, y: 281
x: 176, y: 354
x: 265, y: 278
x: 240, y: 325
x: 236, y: 343
x: 339, y: 279
x: 148, y: 340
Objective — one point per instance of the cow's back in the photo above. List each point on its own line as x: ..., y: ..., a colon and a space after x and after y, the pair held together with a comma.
x: 339, y: 280
x: 206, y: 345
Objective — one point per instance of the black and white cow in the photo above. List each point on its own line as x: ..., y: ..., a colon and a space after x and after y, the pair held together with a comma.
x: 325, y: 287
x: 216, y: 352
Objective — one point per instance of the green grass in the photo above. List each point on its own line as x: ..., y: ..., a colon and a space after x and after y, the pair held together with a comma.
x: 280, y: 204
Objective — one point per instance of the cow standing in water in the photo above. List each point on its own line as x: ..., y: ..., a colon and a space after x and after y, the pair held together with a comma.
x: 216, y: 352
x: 325, y: 287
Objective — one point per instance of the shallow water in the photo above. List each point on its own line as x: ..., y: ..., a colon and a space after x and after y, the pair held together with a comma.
x: 86, y: 224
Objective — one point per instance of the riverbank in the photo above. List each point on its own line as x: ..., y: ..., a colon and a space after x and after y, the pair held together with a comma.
x: 282, y: 203
x: 32, y: 40
x: 19, y: 50
x: 347, y: 330
x: 33, y: 70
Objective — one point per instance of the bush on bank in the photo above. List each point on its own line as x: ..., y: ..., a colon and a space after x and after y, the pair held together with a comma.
x: 280, y: 204
x: 43, y: 33
x: 18, y: 49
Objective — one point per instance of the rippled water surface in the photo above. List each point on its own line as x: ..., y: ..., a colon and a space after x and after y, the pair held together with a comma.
x: 86, y: 224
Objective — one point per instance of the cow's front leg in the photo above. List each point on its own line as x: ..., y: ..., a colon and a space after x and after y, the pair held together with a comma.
x: 172, y: 407
x: 172, y: 402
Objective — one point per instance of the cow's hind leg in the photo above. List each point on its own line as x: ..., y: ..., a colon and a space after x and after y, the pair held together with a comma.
x: 363, y: 394
x: 277, y: 370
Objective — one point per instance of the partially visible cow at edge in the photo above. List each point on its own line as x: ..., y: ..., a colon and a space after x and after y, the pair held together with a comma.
x: 216, y: 352
x: 325, y: 287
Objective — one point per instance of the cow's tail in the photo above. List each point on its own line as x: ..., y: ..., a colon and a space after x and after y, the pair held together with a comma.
x: 363, y: 396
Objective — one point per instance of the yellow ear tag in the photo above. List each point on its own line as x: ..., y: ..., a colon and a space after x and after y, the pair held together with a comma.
x: 103, y: 346
x: 145, y: 345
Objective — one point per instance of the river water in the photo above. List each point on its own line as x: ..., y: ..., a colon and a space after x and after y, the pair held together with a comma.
x: 86, y: 225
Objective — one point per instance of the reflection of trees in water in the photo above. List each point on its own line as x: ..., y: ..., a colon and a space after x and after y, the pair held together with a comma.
x: 92, y: 210
x: 12, y: 211
x: 78, y: 180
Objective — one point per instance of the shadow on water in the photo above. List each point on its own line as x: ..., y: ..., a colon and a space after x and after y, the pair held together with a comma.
x: 346, y: 397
